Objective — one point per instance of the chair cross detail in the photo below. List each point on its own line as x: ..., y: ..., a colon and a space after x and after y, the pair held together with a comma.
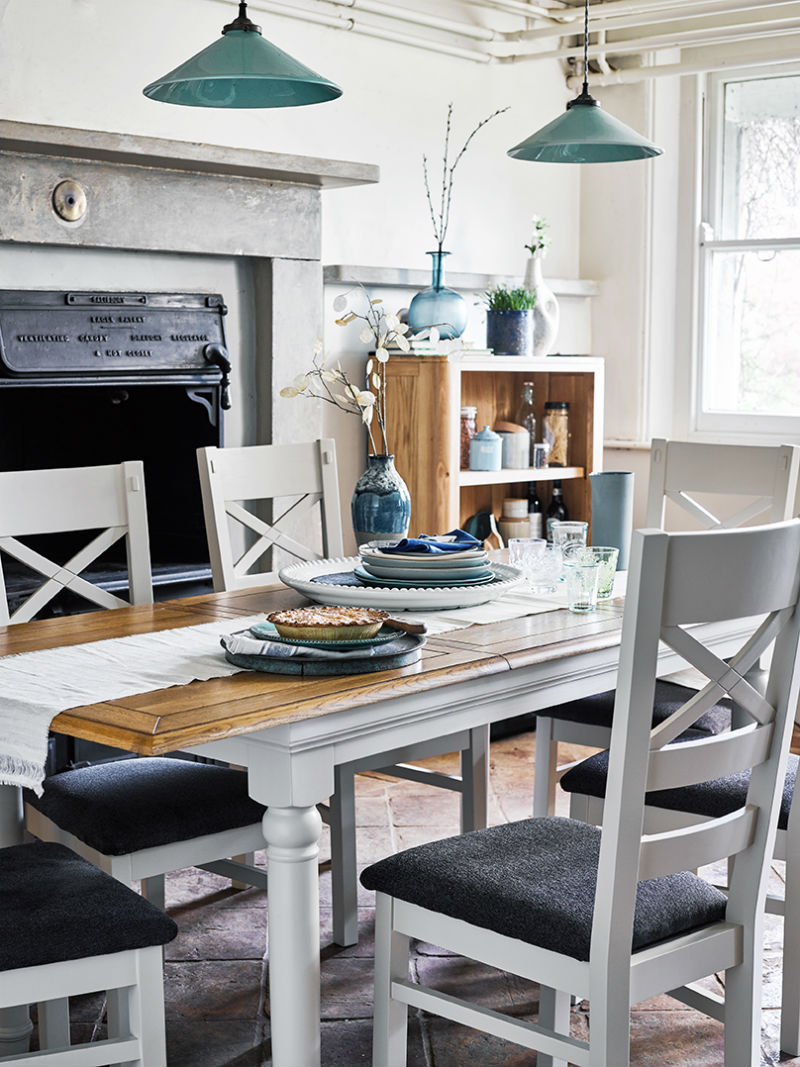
x: 726, y: 677
x: 709, y: 520
x: 273, y: 536
x: 63, y: 576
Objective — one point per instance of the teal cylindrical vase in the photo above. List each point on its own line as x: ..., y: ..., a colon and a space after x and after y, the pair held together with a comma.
x: 437, y: 305
x: 381, y: 503
x: 612, y: 512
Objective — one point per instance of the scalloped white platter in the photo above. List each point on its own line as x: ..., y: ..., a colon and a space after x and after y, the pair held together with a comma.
x: 300, y: 577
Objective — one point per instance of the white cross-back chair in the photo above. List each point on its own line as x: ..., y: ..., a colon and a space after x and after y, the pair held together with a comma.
x: 614, y: 915
x: 299, y: 476
x: 68, y: 929
x: 135, y: 819
x: 230, y: 476
x: 110, y: 499
x: 678, y: 469
x: 586, y: 784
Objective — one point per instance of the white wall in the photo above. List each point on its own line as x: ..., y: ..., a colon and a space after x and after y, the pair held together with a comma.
x: 83, y: 64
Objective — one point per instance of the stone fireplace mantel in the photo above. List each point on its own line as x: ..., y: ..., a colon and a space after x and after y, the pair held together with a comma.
x: 151, y: 195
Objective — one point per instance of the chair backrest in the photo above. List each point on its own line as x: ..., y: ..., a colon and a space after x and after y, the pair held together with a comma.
x: 306, y: 474
x: 678, y: 580
x: 680, y: 468
x: 70, y: 499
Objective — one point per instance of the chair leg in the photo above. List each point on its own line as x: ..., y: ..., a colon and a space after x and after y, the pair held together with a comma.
x: 249, y: 860
x: 153, y: 890
x: 610, y: 1026
x: 579, y: 807
x: 743, y: 1013
x: 475, y: 781
x: 544, y: 768
x: 343, y: 859
x: 790, y: 993
x: 139, y: 1010
x: 554, y: 1007
x: 390, y: 1022
x: 54, y: 1023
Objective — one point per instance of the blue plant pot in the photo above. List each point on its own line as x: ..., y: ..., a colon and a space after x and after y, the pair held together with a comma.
x: 437, y: 305
x: 510, y: 333
x: 381, y: 504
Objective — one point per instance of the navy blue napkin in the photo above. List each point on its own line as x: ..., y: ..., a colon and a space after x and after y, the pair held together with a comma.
x: 437, y: 544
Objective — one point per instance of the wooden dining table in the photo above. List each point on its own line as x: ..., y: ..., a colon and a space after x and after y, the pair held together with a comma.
x: 292, y: 732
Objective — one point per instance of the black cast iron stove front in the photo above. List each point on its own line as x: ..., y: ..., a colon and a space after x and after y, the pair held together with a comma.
x: 100, y: 377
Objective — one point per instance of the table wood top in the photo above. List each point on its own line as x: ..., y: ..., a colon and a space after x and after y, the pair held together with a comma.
x: 181, y: 716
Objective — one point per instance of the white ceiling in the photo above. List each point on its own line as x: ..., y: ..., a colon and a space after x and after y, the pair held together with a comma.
x: 629, y: 39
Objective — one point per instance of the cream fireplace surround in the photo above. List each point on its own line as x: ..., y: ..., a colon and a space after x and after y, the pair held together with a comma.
x: 151, y: 197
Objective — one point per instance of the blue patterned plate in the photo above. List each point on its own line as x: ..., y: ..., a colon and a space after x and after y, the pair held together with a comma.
x: 419, y: 583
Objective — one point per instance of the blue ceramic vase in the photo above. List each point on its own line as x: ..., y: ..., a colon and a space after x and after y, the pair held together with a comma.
x: 437, y: 305
x: 381, y: 504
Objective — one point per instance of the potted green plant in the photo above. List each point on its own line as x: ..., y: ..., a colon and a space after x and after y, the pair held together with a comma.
x: 509, y: 320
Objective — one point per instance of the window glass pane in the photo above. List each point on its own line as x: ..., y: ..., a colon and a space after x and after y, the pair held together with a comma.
x: 751, y: 363
x: 761, y: 159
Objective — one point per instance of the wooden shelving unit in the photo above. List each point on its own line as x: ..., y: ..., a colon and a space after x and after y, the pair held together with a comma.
x: 425, y: 397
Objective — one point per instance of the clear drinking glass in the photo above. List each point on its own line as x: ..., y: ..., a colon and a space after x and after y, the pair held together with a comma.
x: 582, y: 580
x: 522, y: 551
x: 606, y: 556
x: 570, y: 536
x: 544, y: 569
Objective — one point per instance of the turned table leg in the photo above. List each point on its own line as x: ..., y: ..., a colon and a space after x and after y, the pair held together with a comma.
x: 292, y: 836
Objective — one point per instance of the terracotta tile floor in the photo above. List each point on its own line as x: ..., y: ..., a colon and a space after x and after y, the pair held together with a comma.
x: 217, y: 1000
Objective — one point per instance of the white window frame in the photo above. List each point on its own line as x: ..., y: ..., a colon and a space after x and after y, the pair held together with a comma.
x: 728, y: 425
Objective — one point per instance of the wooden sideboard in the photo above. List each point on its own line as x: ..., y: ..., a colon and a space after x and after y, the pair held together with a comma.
x: 426, y: 394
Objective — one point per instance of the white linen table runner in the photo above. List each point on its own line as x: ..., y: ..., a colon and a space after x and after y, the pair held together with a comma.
x: 37, y: 686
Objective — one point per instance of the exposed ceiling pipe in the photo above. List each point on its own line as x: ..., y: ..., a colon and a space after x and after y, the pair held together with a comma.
x: 618, y: 8
x: 718, y: 60
x: 518, y: 7
x: 351, y: 25
x: 677, y: 13
x: 690, y: 38
x: 418, y: 18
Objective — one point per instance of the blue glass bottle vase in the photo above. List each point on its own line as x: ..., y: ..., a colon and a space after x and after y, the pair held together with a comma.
x: 437, y: 305
x: 381, y: 504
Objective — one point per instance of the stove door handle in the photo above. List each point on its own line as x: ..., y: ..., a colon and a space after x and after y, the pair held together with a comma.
x: 218, y: 355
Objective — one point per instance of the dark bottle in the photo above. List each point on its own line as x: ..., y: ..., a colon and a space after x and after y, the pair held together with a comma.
x: 556, y: 509
x: 535, y: 515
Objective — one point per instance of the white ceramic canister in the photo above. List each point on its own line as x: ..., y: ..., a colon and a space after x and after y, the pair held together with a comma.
x: 516, y: 449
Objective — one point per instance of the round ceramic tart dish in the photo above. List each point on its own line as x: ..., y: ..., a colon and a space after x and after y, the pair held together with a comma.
x: 328, y: 623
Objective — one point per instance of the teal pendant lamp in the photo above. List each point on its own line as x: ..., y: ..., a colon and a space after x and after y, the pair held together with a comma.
x: 585, y: 133
x: 241, y: 69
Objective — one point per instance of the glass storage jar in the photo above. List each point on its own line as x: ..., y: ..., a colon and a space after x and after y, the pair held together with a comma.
x: 556, y: 431
x: 468, y: 427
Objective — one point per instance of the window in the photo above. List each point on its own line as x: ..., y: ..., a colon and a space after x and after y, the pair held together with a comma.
x: 749, y: 343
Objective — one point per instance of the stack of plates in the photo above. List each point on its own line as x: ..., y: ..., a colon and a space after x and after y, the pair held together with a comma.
x: 380, y: 566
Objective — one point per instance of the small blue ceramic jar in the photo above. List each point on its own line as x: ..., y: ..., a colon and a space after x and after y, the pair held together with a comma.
x: 486, y: 451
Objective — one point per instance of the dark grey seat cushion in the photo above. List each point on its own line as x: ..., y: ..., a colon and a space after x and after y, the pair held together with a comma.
x: 535, y: 880
x: 129, y: 805
x: 599, y: 710
x: 55, y: 906
x: 720, y: 796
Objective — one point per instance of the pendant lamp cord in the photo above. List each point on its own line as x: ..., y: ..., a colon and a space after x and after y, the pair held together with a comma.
x: 586, y: 49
